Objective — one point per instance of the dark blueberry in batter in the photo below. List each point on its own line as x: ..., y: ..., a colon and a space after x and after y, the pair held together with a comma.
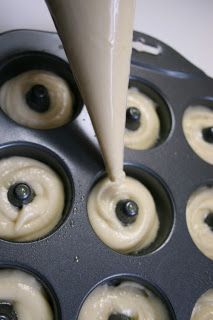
x: 7, y: 311
x: 119, y: 316
x: 38, y: 98
x: 133, y: 117
x: 209, y: 220
x: 126, y: 211
x: 20, y: 194
x: 208, y: 134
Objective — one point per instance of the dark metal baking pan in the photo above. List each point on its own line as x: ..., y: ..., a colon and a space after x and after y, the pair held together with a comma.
x: 72, y: 259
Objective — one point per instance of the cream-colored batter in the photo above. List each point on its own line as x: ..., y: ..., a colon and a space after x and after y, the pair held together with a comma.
x: 99, y: 51
x: 200, y: 204
x: 101, y: 209
x: 128, y: 298
x: 38, y: 217
x: 203, y: 309
x: 195, y: 119
x: 102, y: 73
x: 13, y: 100
x: 148, y: 132
x: 25, y: 294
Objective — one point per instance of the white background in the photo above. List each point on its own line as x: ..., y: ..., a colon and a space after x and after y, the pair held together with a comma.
x: 186, y: 25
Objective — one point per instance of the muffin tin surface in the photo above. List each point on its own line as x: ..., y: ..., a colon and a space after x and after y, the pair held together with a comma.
x: 72, y: 258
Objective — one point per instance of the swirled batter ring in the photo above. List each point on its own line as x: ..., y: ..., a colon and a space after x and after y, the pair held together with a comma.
x: 203, y: 309
x: 26, y: 295
x: 101, y: 210
x: 147, y: 134
x: 199, y: 206
x: 13, y: 100
x: 129, y: 299
x: 196, y: 119
x: 38, y: 217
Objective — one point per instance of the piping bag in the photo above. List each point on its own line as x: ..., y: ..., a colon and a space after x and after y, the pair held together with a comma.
x: 97, y: 38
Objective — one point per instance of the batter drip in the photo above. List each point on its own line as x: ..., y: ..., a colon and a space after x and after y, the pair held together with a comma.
x: 57, y: 108
x: 203, y: 309
x: 22, y: 221
x: 196, y: 121
x: 148, y: 131
x: 102, y: 70
x: 199, y: 211
x: 128, y: 299
x: 25, y: 295
x: 102, y: 203
x: 102, y: 74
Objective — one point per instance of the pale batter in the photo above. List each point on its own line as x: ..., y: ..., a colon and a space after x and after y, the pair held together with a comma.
x: 102, y: 204
x: 203, y: 309
x: 102, y: 74
x: 200, y: 209
x: 25, y: 294
x: 13, y: 100
x: 147, y: 134
x: 195, y: 120
x: 38, y: 217
x: 99, y: 51
x: 128, y: 299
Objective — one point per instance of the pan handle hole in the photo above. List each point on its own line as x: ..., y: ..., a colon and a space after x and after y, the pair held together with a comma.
x: 140, y: 45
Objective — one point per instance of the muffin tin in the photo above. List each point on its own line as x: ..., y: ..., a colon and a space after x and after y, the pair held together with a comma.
x: 72, y: 260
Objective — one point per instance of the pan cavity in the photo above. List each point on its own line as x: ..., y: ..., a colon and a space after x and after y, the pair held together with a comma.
x: 35, y: 192
x: 125, y: 298
x: 203, y: 308
x: 134, y: 216
x: 148, y: 118
x: 199, y: 218
x: 197, y: 126
x: 37, y: 90
x: 25, y: 296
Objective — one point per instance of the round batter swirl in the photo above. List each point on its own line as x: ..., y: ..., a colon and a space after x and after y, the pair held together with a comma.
x: 13, y: 100
x: 102, y: 215
x: 196, y: 119
x: 199, y: 207
x: 25, y: 294
x: 203, y: 309
x: 128, y: 299
x: 147, y: 134
x: 38, y: 217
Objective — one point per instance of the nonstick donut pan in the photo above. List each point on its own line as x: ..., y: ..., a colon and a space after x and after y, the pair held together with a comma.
x: 72, y: 260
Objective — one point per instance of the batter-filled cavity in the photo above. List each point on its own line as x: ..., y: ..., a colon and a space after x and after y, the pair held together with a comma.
x: 198, y: 130
x: 31, y: 199
x: 22, y: 297
x: 203, y: 309
x: 123, y: 214
x: 199, y: 217
x: 127, y: 301
x: 37, y: 99
x: 142, y: 121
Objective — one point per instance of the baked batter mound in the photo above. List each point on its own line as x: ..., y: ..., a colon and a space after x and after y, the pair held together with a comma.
x: 196, y: 119
x: 25, y: 294
x: 147, y: 134
x: 200, y: 204
x: 13, y: 100
x: 203, y: 309
x: 38, y: 217
x: 101, y: 210
x: 128, y: 298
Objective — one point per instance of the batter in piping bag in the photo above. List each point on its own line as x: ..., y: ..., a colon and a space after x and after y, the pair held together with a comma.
x: 97, y: 38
